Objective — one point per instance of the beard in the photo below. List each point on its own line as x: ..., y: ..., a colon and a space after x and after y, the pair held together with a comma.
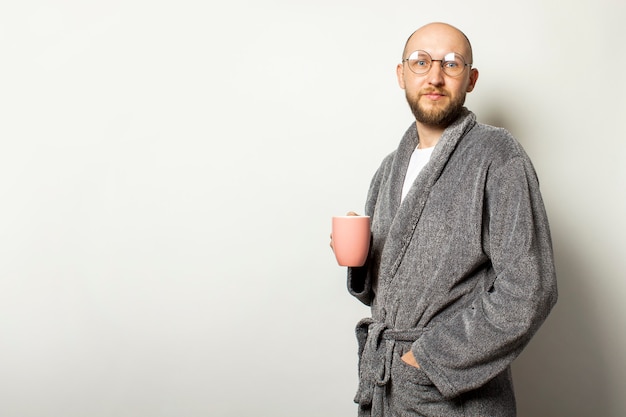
x: 438, y: 117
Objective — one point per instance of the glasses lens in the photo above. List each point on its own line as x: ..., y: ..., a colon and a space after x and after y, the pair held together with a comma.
x: 453, y: 64
x: 419, y: 62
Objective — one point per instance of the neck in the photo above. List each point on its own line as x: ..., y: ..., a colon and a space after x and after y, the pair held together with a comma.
x: 428, y: 135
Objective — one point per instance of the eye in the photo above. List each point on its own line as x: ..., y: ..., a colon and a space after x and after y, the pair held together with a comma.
x: 451, y: 64
x: 421, y: 63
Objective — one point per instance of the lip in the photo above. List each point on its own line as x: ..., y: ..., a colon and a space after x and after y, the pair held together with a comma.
x: 433, y: 96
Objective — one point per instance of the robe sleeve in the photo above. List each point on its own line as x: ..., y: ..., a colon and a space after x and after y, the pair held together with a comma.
x: 359, y: 284
x: 480, y: 341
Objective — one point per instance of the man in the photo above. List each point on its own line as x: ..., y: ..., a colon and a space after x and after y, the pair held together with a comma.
x: 460, y: 273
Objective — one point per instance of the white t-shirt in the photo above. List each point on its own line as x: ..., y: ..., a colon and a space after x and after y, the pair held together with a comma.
x: 419, y: 159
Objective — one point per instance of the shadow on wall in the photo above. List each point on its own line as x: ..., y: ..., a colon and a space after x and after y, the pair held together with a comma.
x: 554, y: 376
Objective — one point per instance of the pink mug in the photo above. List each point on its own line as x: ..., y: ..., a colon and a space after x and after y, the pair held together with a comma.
x: 351, y: 239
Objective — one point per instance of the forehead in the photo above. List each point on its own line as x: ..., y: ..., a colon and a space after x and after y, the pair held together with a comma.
x: 438, y: 40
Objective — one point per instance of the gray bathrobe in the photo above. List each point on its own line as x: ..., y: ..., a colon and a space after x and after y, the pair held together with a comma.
x: 461, y: 272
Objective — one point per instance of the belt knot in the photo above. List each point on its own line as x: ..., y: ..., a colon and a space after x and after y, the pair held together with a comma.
x: 376, y: 343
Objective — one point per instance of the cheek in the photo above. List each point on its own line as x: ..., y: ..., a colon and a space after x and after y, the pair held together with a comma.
x: 460, y: 88
x: 413, y: 84
x: 409, y: 83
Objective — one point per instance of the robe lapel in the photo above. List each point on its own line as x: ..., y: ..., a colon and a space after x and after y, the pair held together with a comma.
x: 406, y: 215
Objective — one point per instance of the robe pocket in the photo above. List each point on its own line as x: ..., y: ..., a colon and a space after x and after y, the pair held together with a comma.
x: 413, y: 393
x: 415, y: 375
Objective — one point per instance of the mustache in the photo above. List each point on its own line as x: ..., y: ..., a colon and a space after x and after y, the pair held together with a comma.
x: 433, y: 90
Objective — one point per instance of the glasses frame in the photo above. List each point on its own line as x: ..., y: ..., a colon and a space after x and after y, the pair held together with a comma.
x: 441, y: 63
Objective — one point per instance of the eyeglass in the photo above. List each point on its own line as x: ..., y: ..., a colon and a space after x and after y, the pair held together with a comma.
x: 452, y: 63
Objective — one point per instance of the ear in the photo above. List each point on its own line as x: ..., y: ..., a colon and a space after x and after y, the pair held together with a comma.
x: 472, y: 79
x: 400, y: 75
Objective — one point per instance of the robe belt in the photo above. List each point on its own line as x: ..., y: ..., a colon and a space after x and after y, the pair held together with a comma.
x: 376, y: 346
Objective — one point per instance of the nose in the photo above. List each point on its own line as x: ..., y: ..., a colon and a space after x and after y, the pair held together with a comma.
x: 435, y: 75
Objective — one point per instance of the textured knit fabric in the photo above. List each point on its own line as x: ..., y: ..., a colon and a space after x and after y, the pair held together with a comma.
x: 461, y: 272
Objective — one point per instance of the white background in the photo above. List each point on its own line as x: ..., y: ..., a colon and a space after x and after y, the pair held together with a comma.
x: 168, y: 170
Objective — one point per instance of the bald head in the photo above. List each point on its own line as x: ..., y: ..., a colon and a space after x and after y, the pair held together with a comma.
x: 442, y: 36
